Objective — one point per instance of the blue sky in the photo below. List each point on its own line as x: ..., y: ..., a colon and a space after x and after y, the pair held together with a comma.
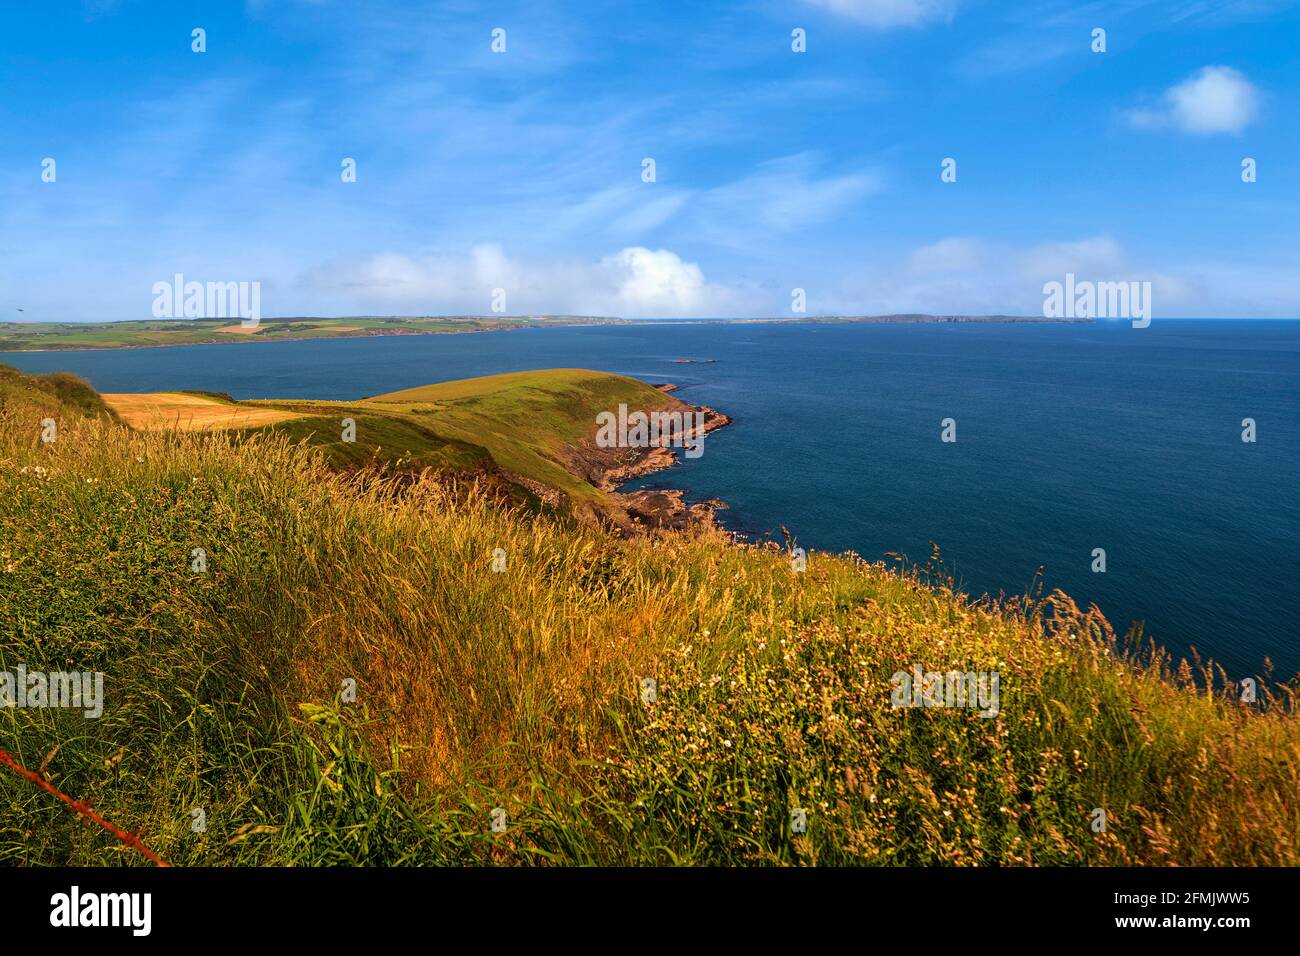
x: 775, y: 170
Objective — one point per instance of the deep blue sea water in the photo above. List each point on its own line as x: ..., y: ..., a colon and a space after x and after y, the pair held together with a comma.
x: 1070, y: 438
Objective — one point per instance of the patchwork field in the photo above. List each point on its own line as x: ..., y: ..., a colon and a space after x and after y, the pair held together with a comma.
x: 147, y: 333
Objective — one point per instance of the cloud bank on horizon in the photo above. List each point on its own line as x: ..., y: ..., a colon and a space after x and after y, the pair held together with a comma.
x: 946, y: 156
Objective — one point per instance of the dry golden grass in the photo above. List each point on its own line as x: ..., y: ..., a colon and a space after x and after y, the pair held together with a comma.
x: 177, y: 411
x: 239, y: 329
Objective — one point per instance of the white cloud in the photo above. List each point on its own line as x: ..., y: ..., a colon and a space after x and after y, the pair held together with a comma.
x: 1215, y: 99
x: 656, y: 282
x: 955, y: 275
x: 635, y: 282
x: 883, y: 14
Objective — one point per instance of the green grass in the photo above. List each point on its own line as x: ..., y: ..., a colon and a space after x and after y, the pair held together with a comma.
x: 520, y: 689
x: 380, y: 439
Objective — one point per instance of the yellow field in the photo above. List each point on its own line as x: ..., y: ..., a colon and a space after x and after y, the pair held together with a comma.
x: 240, y: 329
x: 160, y: 411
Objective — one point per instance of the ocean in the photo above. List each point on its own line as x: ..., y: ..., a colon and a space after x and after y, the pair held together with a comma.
x: 1069, y: 438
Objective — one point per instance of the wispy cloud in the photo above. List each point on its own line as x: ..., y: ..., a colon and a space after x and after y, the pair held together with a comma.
x: 884, y: 14
x: 782, y: 197
x: 1054, y: 31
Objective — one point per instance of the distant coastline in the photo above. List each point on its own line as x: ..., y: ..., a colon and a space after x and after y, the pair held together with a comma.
x: 166, y: 333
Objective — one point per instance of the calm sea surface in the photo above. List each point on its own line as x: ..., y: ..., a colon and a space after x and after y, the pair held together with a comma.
x: 1070, y: 438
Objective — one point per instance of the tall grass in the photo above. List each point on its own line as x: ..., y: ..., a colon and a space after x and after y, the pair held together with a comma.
x: 520, y: 689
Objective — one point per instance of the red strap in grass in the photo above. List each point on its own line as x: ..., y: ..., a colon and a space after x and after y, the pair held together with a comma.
x: 130, y: 839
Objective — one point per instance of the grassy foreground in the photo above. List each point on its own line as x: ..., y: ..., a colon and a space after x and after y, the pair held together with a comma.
x: 520, y: 689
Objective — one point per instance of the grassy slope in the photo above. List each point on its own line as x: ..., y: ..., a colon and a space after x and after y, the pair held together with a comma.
x: 526, y: 419
x: 521, y: 421
x: 520, y: 689
x: 26, y: 336
x: 59, y: 394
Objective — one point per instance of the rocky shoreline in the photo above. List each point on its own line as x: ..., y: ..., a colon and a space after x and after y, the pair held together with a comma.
x: 637, y: 511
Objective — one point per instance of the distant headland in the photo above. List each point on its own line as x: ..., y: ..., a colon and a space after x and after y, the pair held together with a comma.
x: 156, y: 333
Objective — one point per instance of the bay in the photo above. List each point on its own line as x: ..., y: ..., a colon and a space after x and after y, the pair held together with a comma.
x: 1069, y: 438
